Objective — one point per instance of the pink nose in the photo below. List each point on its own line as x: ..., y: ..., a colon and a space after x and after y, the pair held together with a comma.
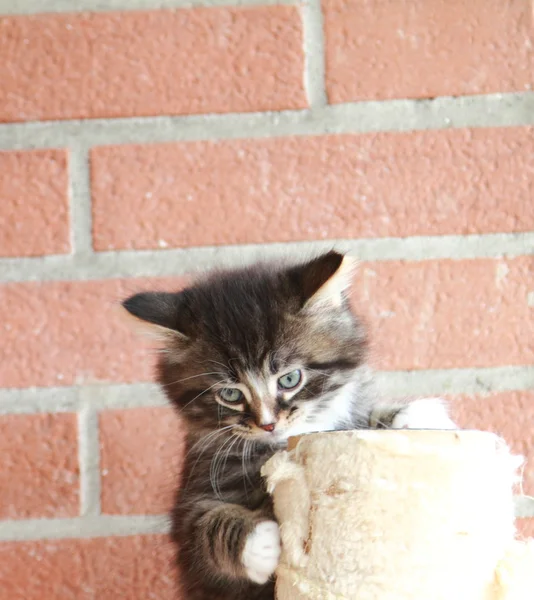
x: 270, y: 427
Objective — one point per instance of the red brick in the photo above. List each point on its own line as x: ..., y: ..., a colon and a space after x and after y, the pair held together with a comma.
x: 306, y: 188
x: 123, y: 64
x: 448, y: 313
x: 136, y: 568
x: 525, y: 528
x: 39, y: 474
x: 141, y: 455
x: 378, y: 49
x: 34, y: 212
x: 64, y: 333
x: 509, y: 414
x: 429, y: 314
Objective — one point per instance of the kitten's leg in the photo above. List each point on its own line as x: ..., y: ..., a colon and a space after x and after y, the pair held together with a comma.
x: 426, y: 413
x: 237, y: 542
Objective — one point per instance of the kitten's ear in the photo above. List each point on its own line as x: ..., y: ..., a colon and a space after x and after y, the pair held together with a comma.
x: 159, y: 313
x: 324, y: 280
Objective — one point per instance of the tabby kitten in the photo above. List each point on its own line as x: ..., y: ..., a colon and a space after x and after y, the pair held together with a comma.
x: 251, y: 357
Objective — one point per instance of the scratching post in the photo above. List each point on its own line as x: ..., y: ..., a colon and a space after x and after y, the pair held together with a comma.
x: 399, y: 515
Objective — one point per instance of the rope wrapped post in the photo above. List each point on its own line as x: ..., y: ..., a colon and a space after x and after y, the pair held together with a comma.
x: 399, y: 515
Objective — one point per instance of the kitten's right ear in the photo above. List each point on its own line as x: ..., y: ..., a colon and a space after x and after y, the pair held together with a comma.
x: 158, y: 313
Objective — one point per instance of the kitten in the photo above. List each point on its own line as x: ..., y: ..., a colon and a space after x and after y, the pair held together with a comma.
x: 251, y: 357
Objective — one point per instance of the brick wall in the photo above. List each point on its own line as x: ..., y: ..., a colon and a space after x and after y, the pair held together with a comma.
x: 142, y: 140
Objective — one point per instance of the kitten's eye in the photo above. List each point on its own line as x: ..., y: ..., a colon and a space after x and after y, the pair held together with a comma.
x: 290, y: 380
x: 231, y: 395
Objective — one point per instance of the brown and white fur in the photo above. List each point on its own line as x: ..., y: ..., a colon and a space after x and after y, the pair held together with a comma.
x: 251, y: 357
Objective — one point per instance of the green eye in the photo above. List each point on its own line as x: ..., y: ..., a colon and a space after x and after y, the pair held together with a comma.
x: 231, y: 395
x: 290, y: 380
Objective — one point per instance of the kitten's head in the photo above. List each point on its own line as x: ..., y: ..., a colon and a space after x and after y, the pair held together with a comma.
x: 266, y: 351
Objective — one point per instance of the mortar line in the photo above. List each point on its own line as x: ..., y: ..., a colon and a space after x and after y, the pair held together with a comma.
x: 178, y: 262
x: 119, y: 525
x: 314, y: 54
x: 491, y: 110
x: 91, y: 399
x: 89, y: 461
x: 83, y: 527
x: 80, y: 201
x: 32, y: 7
x: 482, y: 381
x: 524, y: 507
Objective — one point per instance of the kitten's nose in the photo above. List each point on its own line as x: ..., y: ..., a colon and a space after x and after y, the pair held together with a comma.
x: 270, y: 427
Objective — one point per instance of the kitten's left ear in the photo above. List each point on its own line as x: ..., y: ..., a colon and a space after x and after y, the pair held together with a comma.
x: 160, y: 314
x: 324, y: 280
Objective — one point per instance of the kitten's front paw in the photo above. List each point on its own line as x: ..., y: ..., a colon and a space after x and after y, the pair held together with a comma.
x: 427, y: 413
x: 262, y: 551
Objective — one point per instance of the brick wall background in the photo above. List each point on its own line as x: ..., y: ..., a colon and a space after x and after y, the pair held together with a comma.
x: 142, y: 140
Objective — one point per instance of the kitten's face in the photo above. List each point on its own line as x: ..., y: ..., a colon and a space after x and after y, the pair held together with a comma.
x: 262, y: 353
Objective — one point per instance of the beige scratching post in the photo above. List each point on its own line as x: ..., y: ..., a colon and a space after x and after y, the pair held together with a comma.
x: 399, y: 515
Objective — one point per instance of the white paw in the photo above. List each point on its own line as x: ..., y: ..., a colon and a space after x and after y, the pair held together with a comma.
x: 262, y: 551
x: 427, y: 413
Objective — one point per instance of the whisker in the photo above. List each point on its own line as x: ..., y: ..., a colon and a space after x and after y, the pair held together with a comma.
x: 216, y: 462
x: 192, y: 377
x: 203, y: 444
x: 223, y: 466
x: 216, y: 362
x: 198, y: 395
x: 318, y: 371
x: 380, y: 422
x: 246, y: 457
x: 206, y: 438
x: 243, y: 453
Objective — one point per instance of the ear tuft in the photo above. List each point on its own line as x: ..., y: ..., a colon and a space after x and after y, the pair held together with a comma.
x: 160, y: 311
x: 324, y: 280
